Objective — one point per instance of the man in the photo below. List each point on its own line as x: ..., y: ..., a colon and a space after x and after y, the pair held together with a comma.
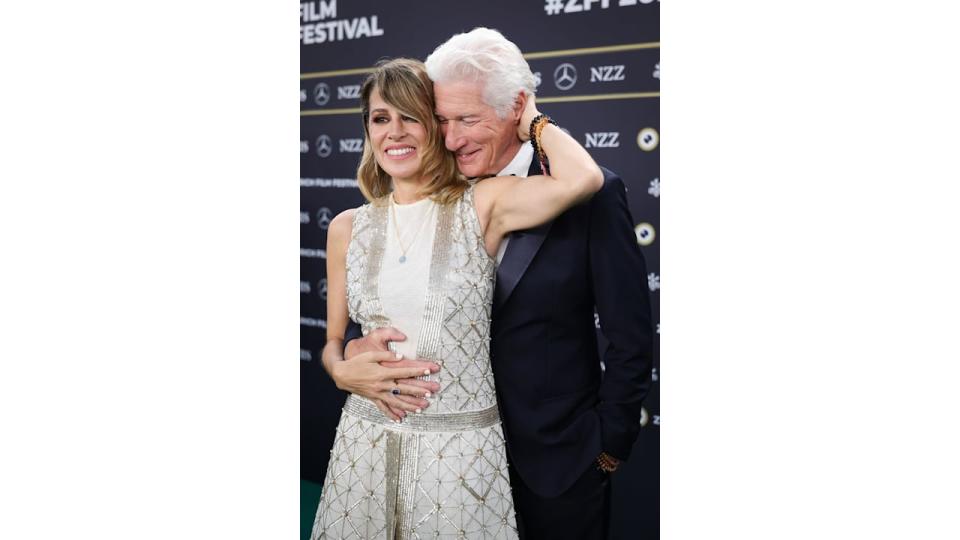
x: 568, y: 423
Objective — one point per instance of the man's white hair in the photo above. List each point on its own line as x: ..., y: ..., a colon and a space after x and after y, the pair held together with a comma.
x: 484, y: 56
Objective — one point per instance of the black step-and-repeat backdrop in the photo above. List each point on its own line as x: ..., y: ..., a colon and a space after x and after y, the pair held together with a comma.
x: 597, y: 63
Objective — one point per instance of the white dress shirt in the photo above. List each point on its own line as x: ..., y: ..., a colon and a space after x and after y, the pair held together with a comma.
x: 517, y: 167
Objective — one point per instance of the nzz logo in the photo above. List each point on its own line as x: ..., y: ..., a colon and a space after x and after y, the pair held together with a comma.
x: 351, y: 145
x: 606, y: 73
x: 348, y: 92
x: 602, y: 139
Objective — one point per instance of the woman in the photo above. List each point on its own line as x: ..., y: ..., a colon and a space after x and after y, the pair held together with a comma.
x: 420, y: 257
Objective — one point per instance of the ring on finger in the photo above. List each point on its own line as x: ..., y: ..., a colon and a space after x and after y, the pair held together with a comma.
x: 396, y: 389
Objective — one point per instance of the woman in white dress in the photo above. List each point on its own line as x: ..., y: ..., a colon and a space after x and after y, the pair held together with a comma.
x: 419, y: 256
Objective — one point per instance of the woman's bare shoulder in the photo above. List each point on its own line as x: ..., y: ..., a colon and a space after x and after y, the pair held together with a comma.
x: 338, y: 233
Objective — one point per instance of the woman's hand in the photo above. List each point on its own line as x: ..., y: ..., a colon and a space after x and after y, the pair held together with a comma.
x: 363, y: 375
x: 529, y: 113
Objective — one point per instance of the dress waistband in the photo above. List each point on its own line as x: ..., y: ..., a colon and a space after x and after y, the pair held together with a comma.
x: 458, y: 421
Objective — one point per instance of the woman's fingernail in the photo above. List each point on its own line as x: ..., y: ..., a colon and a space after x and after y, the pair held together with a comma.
x: 426, y: 372
x: 399, y: 356
x: 419, y: 411
x: 428, y: 394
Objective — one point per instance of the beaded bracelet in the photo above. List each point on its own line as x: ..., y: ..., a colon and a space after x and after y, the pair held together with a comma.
x: 536, y: 128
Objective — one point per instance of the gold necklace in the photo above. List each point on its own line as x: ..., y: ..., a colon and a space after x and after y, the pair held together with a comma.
x: 396, y: 230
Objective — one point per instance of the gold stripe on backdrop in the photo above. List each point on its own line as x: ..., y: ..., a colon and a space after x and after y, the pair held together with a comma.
x: 551, y: 99
x: 528, y: 56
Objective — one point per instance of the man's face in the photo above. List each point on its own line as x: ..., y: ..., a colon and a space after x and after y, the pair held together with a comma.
x: 483, y: 142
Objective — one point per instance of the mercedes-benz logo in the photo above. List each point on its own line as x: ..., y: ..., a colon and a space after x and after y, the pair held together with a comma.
x: 321, y: 94
x: 324, y: 215
x: 322, y: 288
x: 324, y: 145
x: 565, y: 76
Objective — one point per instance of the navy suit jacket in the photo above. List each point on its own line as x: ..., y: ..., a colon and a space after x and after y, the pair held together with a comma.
x: 559, y: 409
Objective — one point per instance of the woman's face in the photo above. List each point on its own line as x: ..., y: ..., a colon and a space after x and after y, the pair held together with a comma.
x: 397, y: 140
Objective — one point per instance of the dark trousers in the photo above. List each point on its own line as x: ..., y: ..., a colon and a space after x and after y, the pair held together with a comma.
x: 580, y: 513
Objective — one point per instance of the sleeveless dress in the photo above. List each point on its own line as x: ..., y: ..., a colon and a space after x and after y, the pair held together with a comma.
x: 441, y: 473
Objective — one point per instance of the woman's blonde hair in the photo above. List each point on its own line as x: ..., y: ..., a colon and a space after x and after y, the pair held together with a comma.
x: 403, y: 83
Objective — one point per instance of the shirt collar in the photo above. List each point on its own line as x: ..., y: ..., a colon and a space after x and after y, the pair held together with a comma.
x: 520, y: 165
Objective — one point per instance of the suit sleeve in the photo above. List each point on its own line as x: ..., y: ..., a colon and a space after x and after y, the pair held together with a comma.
x: 621, y: 295
x: 353, y: 332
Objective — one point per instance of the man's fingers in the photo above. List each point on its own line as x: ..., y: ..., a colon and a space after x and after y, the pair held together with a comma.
x: 395, y: 403
x: 415, y: 401
x: 407, y: 373
x: 397, y: 412
x: 404, y: 362
x: 388, y: 333
x: 391, y: 373
x: 429, y: 386
x: 390, y: 413
x: 379, y: 356
x: 410, y: 390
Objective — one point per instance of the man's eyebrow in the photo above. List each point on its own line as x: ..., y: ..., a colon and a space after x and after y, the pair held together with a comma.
x: 458, y: 117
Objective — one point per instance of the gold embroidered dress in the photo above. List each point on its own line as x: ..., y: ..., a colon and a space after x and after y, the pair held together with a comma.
x: 441, y: 473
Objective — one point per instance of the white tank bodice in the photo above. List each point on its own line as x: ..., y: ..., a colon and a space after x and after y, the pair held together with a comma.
x: 403, y: 285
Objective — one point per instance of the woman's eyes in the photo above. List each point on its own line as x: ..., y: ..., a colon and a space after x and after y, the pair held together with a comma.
x: 385, y: 119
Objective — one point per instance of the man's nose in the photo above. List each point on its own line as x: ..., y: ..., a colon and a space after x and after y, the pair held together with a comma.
x: 452, y: 137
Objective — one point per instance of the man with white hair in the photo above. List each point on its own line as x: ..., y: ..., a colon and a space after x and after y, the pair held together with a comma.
x: 568, y: 421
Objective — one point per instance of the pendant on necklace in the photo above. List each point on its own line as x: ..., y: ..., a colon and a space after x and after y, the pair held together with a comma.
x: 403, y: 258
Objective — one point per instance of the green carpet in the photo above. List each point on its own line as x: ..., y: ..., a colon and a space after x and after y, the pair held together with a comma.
x: 309, y: 498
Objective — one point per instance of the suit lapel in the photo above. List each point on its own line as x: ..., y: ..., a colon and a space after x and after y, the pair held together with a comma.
x: 521, y: 249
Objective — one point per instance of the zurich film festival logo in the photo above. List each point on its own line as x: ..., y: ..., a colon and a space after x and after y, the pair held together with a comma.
x: 324, y: 146
x: 558, y: 7
x: 653, y: 281
x: 305, y: 355
x: 304, y: 218
x: 324, y: 215
x: 648, y: 139
x: 565, y: 76
x: 646, y: 234
x: 321, y: 94
x: 322, y: 288
x: 656, y: 71
x: 305, y: 287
